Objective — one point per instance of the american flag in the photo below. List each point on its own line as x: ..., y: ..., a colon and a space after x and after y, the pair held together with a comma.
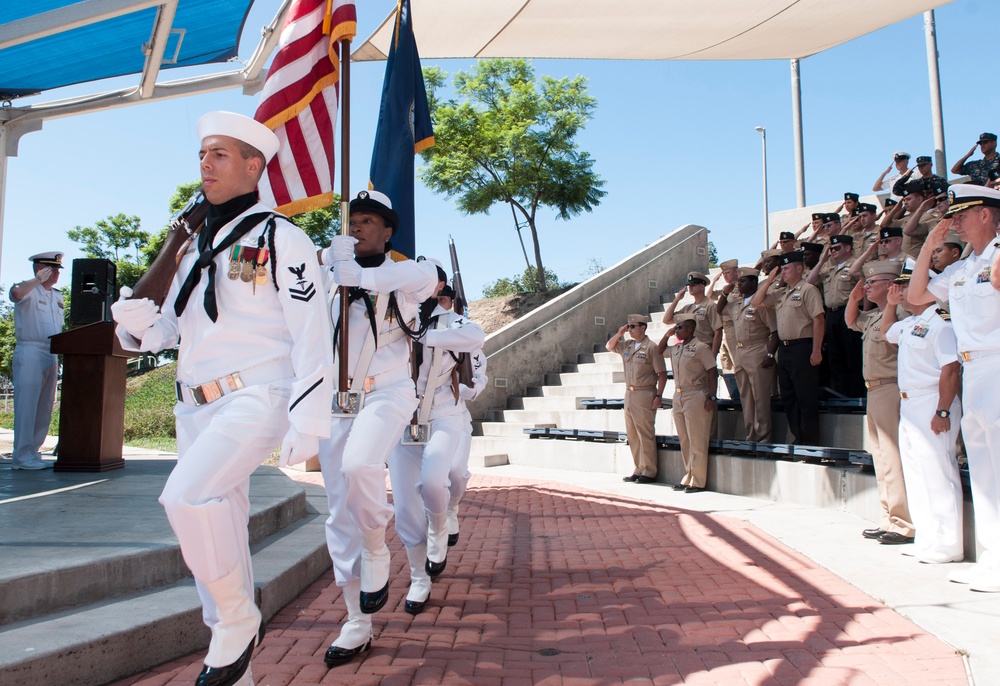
x: 299, y: 103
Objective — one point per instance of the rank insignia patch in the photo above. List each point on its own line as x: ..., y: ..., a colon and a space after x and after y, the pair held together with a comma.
x: 304, y: 290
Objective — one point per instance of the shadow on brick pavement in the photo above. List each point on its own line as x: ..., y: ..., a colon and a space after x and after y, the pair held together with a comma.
x: 555, y: 584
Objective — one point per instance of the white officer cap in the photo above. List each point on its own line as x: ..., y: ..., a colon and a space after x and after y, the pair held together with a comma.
x: 51, y: 259
x: 240, y: 127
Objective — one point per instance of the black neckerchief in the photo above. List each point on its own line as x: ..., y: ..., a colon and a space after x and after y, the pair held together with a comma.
x: 218, y: 216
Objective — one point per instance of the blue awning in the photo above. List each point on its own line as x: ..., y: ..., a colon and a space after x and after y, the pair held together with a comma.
x: 202, y: 32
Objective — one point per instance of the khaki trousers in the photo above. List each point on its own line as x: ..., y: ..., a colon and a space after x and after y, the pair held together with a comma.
x: 640, y: 427
x: 727, y: 357
x: 694, y: 430
x: 883, y: 437
x: 755, y: 390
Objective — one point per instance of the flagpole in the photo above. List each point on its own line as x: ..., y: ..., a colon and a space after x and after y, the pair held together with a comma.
x: 345, y: 212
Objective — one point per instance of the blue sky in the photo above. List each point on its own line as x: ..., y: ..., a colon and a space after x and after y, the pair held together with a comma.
x: 674, y: 141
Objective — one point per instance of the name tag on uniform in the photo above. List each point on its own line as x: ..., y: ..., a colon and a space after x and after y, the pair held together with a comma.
x: 959, y: 283
x: 920, y: 330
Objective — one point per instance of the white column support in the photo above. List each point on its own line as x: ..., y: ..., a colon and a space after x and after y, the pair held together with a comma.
x: 10, y: 136
x: 934, y: 77
x: 763, y: 154
x: 800, y: 174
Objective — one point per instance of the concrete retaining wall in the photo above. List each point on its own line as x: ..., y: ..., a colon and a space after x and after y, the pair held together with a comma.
x: 526, y: 350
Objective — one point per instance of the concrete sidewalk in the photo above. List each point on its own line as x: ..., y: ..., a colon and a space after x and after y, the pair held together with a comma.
x: 566, y: 578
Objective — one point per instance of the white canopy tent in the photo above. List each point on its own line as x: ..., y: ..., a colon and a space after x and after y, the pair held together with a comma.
x: 640, y: 29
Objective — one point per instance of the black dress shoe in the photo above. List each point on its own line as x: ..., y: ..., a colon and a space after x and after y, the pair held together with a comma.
x: 679, y: 487
x: 228, y: 675
x: 374, y: 601
x: 872, y: 533
x: 414, y: 607
x: 452, y: 539
x: 434, y: 569
x: 338, y: 656
x: 630, y: 477
x: 892, y: 538
x: 643, y: 479
x: 694, y: 489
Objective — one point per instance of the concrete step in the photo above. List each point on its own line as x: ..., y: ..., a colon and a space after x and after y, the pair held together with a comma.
x: 579, y: 455
x: 597, y: 420
x: 593, y: 367
x: 566, y: 402
x: 113, y: 639
x: 136, y: 550
x: 578, y: 379
x: 498, y: 429
x: 616, y: 390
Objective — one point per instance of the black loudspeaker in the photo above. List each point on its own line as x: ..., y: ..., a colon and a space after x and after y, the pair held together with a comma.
x: 92, y: 291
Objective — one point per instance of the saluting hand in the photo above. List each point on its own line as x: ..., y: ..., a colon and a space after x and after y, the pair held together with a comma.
x: 895, y: 296
x: 858, y: 292
x: 622, y: 330
x: 43, y: 274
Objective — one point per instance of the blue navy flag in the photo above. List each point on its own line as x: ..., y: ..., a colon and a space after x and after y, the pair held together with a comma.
x: 404, y: 128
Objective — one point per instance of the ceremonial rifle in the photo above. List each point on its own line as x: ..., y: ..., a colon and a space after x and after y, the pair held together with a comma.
x: 184, y: 227
x: 461, y: 305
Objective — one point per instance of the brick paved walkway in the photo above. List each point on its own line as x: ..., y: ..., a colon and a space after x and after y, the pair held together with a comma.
x: 556, y: 585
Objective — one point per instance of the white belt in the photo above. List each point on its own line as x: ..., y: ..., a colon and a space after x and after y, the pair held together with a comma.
x: 917, y: 392
x: 969, y: 355
x: 209, y: 392
x: 382, y: 379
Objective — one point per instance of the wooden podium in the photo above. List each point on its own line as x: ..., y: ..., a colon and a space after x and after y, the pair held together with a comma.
x: 92, y: 412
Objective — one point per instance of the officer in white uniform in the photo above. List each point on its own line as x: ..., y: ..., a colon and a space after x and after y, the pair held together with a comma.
x: 459, y: 476
x: 929, y: 415
x: 254, y: 370
x: 972, y: 289
x: 385, y: 297
x: 420, y: 473
x: 38, y: 314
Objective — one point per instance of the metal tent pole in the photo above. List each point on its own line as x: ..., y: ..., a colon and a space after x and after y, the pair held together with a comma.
x: 800, y: 174
x: 934, y: 78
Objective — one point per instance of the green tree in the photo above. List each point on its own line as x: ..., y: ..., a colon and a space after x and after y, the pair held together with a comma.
x: 511, y: 138
x: 527, y: 282
x: 118, y: 238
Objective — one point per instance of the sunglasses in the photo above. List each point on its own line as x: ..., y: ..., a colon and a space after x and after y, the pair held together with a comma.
x: 872, y: 282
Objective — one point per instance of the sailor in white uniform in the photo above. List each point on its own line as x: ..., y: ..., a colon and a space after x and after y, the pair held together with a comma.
x: 929, y: 416
x: 254, y: 370
x: 458, y: 477
x: 38, y: 314
x: 972, y: 289
x: 420, y: 473
x: 384, y: 300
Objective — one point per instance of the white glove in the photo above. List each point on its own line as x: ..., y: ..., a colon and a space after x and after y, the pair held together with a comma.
x: 135, y: 316
x: 341, y: 249
x: 296, y: 447
x: 43, y: 274
x: 347, y: 273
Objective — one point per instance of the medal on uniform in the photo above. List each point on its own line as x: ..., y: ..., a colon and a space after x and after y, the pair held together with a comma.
x: 234, y: 263
x: 246, y: 272
x: 261, y: 274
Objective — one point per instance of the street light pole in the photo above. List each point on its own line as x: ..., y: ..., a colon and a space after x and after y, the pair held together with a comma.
x: 763, y: 151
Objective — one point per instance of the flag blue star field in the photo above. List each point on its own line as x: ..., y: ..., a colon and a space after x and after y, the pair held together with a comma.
x: 404, y: 129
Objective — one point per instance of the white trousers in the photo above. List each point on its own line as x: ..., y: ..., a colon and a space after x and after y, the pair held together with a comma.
x: 206, y: 497
x: 981, y: 432
x: 420, y: 477
x: 933, y: 487
x: 353, y: 461
x: 459, y: 475
x: 36, y: 372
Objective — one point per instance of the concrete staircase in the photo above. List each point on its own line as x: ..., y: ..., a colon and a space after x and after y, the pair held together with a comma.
x: 93, y: 587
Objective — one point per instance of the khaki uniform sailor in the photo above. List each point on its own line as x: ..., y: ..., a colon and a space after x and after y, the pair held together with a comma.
x: 842, y: 345
x: 754, y: 360
x: 706, y: 316
x: 254, y: 369
x: 927, y: 349
x: 883, y: 408
x: 384, y: 297
x: 38, y: 314
x: 726, y: 355
x: 796, y: 308
x: 694, y: 404
x: 645, y: 378
x: 420, y: 473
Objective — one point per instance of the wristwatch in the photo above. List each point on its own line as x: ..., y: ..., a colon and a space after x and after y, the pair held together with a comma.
x: 771, y: 355
x: 943, y: 414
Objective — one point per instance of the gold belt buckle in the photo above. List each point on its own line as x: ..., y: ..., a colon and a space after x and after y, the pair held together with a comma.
x: 739, y: 345
x: 369, y: 384
x: 868, y: 385
x: 902, y: 394
x: 966, y: 356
